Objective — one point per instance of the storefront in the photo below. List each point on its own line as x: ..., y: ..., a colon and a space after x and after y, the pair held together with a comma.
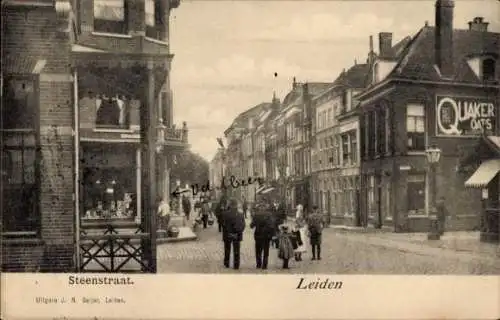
x: 485, y: 159
x: 110, y: 181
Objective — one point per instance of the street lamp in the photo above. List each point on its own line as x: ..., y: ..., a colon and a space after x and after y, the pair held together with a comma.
x: 433, y: 156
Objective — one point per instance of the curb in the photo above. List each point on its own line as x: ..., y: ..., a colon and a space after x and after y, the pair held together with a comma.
x: 174, y: 240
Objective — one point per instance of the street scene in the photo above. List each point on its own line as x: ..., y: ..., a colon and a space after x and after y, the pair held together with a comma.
x: 261, y: 137
x: 345, y: 252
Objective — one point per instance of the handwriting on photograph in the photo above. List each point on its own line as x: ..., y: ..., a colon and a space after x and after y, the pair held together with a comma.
x: 232, y: 183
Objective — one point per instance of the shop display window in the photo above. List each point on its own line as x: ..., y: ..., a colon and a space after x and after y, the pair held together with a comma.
x: 109, y: 193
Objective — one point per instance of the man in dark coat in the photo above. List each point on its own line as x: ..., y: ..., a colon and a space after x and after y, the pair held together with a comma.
x: 262, y: 221
x: 442, y: 212
x: 186, y: 206
x: 233, y: 225
x: 219, y: 211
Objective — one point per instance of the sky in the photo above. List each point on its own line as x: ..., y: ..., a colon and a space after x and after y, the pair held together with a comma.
x: 227, y: 52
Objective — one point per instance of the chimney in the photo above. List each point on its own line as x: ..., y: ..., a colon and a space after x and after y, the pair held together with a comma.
x: 276, y: 101
x: 305, y: 89
x: 478, y: 24
x: 371, y: 53
x: 385, y: 43
x: 444, y: 37
x: 294, y: 83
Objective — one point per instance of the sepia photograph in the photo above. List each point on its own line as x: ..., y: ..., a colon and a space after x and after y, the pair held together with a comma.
x: 250, y: 137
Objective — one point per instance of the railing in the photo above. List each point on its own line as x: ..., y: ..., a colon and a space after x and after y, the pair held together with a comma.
x: 176, y: 134
x: 113, y: 246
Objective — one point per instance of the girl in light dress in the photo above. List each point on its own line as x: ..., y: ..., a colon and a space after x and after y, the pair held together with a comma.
x: 300, y: 230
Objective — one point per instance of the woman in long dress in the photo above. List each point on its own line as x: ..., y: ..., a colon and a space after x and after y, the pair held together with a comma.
x: 300, y: 226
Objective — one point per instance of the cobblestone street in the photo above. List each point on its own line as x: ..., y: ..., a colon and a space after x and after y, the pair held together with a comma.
x: 343, y: 252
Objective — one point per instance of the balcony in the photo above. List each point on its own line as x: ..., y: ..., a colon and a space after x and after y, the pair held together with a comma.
x: 172, y: 136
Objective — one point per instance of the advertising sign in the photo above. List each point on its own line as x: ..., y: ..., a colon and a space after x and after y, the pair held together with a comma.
x: 465, y: 116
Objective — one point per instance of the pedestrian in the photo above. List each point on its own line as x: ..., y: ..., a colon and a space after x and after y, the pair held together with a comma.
x: 315, y: 229
x: 300, y: 233
x: 442, y: 212
x: 262, y: 221
x: 245, y: 207
x: 186, y: 206
x: 279, y: 217
x: 204, y: 213
x: 285, y: 249
x: 219, y: 211
x: 233, y: 222
x: 164, y: 213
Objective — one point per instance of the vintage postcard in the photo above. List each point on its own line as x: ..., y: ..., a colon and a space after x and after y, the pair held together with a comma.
x: 253, y: 159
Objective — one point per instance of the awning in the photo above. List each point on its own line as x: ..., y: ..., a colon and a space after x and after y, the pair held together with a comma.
x: 484, y: 174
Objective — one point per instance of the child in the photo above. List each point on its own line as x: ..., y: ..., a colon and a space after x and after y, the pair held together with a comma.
x: 285, y: 247
x: 298, y: 239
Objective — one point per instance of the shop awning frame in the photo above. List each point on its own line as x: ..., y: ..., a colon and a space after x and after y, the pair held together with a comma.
x: 484, y: 174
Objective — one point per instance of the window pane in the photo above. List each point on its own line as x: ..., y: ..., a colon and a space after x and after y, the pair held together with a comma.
x: 150, y: 12
x: 29, y: 166
x: 15, y: 167
x: 18, y: 109
x: 410, y: 124
x: 113, y: 10
x: 420, y: 125
x: 415, y: 110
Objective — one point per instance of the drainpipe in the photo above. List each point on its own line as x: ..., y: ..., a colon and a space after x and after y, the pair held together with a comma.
x: 77, y: 168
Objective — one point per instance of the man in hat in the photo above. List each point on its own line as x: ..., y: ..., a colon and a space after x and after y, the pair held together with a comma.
x: 262, y: 221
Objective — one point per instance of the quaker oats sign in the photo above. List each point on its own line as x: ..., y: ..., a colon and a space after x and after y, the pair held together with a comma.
x: 465, y: 116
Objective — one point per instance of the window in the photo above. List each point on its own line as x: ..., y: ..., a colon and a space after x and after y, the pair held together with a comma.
x: 387, y: 129
x: 345, y: 101
x: 111, y: 112
x: 415, y: 126
x: 110, y: 16
x: 416, y: 193
x: 345, y: 149
x: 150, y: 18
x: 20, y: 169
x: 488, y: 69
x: 381, y: 130
x: 109, y: 183
x: 354, y: 147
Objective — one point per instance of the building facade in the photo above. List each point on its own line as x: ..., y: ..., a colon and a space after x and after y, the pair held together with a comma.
x: 438, y: 89
x: 337, y: 135
x: 87, y: 129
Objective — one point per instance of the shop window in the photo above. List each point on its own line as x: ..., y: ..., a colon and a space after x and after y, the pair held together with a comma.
x: 20, y: 169
x: 415, y: 127
x: 110, y: 16
x: 109, y: 185
x: 111, y: 112
x: 416, y: 193
x: 488, y: 69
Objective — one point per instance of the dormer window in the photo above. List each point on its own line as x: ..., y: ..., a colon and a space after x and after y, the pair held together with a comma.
x: 488, y: 69
x: 110, y: 16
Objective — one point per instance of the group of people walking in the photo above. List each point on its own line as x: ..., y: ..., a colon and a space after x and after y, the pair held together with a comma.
x: 269, y: 221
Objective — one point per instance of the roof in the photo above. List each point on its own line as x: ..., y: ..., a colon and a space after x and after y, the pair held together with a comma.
x: 417, y: 59
x: 242, y: 119
x: 355, y: 77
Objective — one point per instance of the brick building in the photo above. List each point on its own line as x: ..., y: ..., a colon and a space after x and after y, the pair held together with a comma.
x: 336, y: 147
x: 438, y: 89
x: 87, y: 128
